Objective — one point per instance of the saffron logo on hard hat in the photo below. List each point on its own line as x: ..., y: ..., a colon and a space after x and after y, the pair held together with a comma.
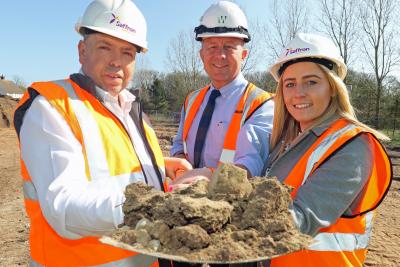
x: 118, y: 23
x: 113, y: 18
x: 290, y: 51
x: 222, y: 19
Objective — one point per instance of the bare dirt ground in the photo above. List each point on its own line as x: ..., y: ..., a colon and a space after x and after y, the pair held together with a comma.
x: 14, y: 225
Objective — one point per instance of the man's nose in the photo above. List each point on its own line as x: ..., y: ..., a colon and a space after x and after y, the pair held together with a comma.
x: 221, y: 52
x: 115, y: 59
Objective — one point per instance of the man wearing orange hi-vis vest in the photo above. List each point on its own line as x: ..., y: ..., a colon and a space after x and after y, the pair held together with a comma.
x: 229, y: 120
x: 83, y: 139
x: 338, y: 168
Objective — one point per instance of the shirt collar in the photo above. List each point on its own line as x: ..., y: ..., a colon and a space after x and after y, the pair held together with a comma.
x: 320, y: 129
x: 125, y: 97
x: 237, y: 83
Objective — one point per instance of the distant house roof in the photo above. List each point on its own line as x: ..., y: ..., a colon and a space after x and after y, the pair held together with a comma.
x: 9, y: 88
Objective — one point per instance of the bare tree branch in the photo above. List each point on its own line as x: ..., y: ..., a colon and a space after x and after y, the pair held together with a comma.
x: 288, y: 18
x: 339, y: 22
x: 183, y: 57
x: 19, y: 81
x: 255, y: 49
x: 377, y: 19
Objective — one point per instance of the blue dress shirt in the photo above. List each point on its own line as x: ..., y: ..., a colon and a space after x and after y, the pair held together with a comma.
x: 252, y: 146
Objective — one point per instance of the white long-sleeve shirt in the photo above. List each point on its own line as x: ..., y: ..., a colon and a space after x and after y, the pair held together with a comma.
x: 72, y: 205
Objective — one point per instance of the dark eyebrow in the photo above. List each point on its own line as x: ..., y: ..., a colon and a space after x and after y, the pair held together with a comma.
x: 127, y: 48
x: 304, y: 77
x: 289, y: 79
x: 104, y: 42
x: 210, y: 43
x: 312, y: 76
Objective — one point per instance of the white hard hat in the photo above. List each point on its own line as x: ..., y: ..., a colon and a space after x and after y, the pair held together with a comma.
x: 118, y: 18
x: 313, y: 48
x: 223, y: 19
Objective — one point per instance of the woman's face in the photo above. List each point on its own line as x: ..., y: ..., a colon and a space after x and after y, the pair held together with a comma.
x: 306, y: 92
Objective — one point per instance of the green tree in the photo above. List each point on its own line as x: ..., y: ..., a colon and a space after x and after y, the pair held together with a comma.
x: 362, y: 93
x: 158, y: 97
x: 263, y: 80
x: 177, y: 88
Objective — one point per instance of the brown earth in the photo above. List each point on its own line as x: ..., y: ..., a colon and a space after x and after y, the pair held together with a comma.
x: 228, y: 220
x: 14, y: 225
x: 7, y: 105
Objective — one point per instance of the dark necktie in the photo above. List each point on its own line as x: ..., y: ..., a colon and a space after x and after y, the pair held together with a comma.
x: 203, y: 127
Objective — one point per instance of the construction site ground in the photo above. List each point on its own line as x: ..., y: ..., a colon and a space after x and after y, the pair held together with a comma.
x: 14, y: 224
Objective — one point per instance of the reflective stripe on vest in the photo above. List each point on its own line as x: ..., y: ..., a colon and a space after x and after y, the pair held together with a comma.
x: 345, y: 242
x: 323, y: 147
x: 245, y: 107
x: 96, y: 158
x: 134, y: 261
x: 116, y: 160
x: 227, y: 156
x: 29, y: 190
x: 98, y: 166
x: 191, y: 106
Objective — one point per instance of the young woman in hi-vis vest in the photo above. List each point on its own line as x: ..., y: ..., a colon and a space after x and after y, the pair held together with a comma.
x: 336, y: 165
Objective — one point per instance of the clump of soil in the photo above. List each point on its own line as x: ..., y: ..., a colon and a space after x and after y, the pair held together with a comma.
x: 7, y: 106
x: 230, y: 219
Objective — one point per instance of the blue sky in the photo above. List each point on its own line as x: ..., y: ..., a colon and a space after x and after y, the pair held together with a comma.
x: 38, y: 41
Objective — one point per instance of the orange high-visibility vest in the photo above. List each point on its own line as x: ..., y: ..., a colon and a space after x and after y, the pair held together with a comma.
x: 108, y: 153
x: 250, y: 101
x: 345, y: 242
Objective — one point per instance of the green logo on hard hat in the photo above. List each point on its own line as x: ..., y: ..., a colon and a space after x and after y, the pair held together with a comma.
x: 222, y: 19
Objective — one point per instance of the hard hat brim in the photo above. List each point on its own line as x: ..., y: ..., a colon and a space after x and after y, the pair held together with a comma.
x: 274, y: 69
x: 119, y: 35
x: 227, y: 34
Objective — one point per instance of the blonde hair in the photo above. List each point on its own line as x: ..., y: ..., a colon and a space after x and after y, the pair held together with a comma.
x: 286, y: 128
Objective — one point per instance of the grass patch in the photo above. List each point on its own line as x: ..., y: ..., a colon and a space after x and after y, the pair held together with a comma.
x: 394, y: 135
x: 171, y: 117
